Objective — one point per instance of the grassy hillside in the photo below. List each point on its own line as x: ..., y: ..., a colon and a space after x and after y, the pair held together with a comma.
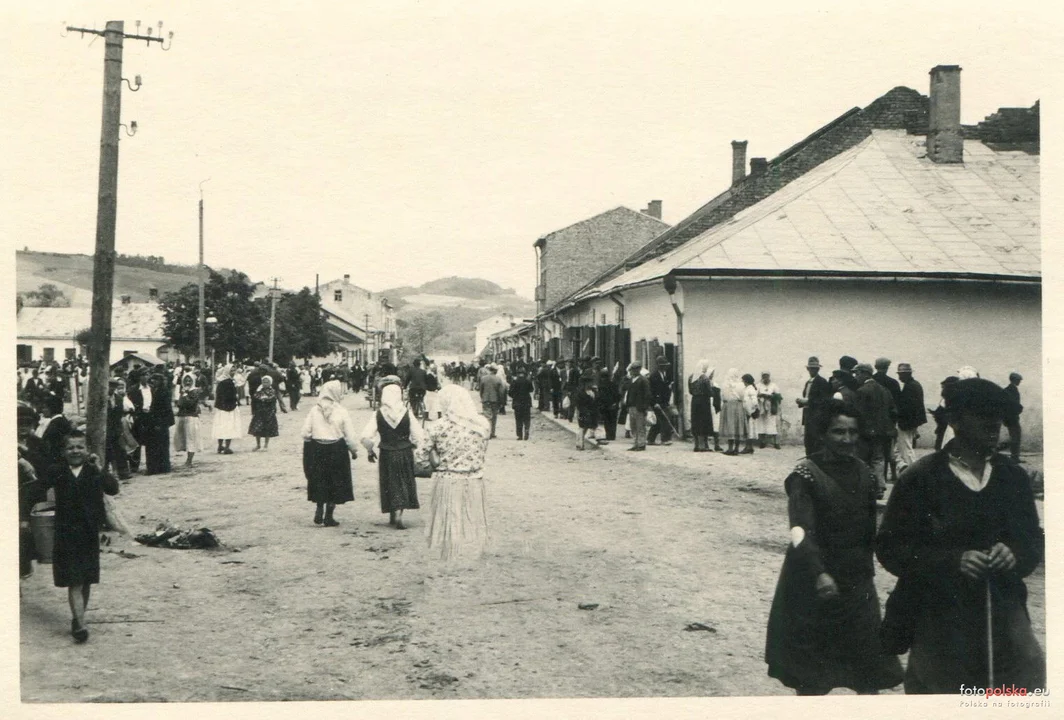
x: 73, y: 275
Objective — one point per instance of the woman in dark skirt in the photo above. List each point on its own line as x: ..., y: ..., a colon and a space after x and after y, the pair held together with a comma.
x: 264, y: 414
x: 823, y: 628
x: 328, y: 437
x: 79, y: 514
x: 395, y: 433
x: 702, y: 396
x: 586, y: 408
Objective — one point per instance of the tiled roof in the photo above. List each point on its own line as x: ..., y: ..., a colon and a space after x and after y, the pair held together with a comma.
x: 135, y: 321
x: 880, y: 207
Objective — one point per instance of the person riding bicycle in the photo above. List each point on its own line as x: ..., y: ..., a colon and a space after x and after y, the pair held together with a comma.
x: 416, y: 387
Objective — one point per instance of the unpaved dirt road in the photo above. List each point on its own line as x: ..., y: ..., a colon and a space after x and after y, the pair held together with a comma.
x: 292, y: 611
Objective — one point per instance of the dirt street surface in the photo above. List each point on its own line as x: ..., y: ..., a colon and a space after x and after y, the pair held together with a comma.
x: 599, y: 562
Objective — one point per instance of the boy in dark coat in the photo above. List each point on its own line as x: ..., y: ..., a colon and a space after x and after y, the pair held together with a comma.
x: 79, y: 484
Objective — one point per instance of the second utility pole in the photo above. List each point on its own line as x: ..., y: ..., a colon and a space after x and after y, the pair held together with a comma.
x: 273, y: 313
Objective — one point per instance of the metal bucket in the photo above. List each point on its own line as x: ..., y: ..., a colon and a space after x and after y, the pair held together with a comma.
x: 42, y: 525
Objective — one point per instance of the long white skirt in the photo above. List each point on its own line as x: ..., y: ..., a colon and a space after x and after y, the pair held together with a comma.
x: 228, y: 425
x: 187, y: 437
x: 458, y: 520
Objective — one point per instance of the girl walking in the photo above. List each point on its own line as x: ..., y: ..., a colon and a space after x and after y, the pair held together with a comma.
x: 393, y: 431
x: 328, y: 437
x: 264, y: 414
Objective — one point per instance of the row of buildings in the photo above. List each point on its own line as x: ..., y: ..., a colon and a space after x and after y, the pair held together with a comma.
x: 894, y: 230
x: 361, y: 326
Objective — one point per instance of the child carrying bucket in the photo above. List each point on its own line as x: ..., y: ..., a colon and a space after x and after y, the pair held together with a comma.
x: 79, y: 483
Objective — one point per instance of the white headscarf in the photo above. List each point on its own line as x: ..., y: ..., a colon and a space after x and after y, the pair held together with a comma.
x: 392, y: 407
x: 967, y: 373
x: 330, y: 395
x: 456, y: 404
x: 733, y: 387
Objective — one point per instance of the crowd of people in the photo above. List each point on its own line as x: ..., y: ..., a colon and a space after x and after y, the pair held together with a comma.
x: 960, y: 530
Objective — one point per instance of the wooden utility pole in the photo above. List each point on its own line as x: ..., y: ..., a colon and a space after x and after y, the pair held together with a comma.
x: 202, y: 301
x: 273, y: 313
x: 103, y: 268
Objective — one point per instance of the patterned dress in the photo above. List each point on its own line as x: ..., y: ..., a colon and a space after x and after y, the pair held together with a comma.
x: 458, y: 522
x: 263, y: 413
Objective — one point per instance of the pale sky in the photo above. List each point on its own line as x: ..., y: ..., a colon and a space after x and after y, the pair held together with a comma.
x: 400, y: 142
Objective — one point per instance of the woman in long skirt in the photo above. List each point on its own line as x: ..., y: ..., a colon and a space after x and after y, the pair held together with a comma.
x: 733, y: 416
x: 227, y: 420
x: 328, y: 437
x: 458, y: 522
x: 187, y: 431
x: 823, y: 628
x: 395, y: 433
x: 264, y: 414
x: 701, y: 388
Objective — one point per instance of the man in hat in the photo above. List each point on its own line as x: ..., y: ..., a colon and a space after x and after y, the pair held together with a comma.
x: 815, y: 396
x: 968, y: 557
x: 492, y: 395
x: 882, y: 364
x: 638, y: 400
x: 556, y: 385
x: 543, y: 389
x: 661, y: 396
x: 911, y: 415
x: 1012, y: 418
x: 521, y: 392
x: 878, y: 412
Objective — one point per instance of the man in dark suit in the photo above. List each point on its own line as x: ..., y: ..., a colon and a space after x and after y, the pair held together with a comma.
x: 911, y: 415
x: 638, y: 399
x: 1012, y: 417
x: 815, y: 396
x: 521, y: 393
x: 543, y: 387
x: 661, y: 396
x: 878, y: 414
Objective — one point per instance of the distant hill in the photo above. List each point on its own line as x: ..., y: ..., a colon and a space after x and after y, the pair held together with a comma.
x: 463, y: 302
x: 72, y: 274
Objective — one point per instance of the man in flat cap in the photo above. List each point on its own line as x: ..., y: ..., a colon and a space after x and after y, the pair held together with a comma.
x: 815, y: 396
x: 878, y: 412
x: 638, y: 400
x: 911, y: 415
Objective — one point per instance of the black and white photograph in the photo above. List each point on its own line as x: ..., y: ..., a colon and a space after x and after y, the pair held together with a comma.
x: 629, y: 359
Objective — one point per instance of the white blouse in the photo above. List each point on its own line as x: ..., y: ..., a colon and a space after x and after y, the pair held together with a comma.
x: 341, y: 427
x: 371, y: 438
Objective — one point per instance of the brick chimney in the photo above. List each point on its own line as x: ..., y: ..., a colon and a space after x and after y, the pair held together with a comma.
x: 653, y: 209
x: 738, y: 161
x: 347, y: 278
x: 758, y: 166
x: 945, y: 144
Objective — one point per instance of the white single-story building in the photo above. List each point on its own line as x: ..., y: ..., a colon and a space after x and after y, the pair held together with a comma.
x: 50, y: 333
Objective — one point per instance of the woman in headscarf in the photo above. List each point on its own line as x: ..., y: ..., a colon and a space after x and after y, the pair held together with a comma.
x: 732, y: 415
x: 328, y: 437
x: 702, y: 396
x: 226, y: 416
x: 458, y: 523
x: 393, y: 431
x: 586, y: 407
x: 768, y: 402
x: 263, y: 414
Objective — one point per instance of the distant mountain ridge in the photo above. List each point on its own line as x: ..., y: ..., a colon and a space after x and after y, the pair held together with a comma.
x: 463, y: 302
x: 454, y: 287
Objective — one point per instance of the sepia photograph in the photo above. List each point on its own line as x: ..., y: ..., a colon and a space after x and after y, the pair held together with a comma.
x: 364, y: 350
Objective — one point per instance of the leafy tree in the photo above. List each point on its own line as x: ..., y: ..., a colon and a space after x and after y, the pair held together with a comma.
x: 421, y: 330
x: 299, y: 330
x: 241, y: 327
x: 47, y: 295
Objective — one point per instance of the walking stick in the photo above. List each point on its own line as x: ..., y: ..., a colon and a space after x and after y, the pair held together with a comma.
x: 989, y: 637
x: 662, y: 413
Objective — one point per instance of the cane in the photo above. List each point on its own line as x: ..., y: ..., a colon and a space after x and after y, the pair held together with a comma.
x: 989, y: 637
x: 662, y: 413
